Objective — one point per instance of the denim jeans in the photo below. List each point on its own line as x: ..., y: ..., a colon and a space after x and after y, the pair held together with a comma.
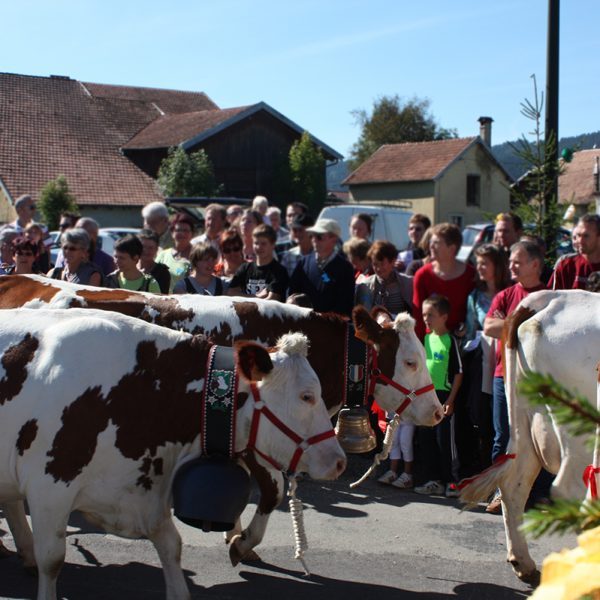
x: 500, y: 418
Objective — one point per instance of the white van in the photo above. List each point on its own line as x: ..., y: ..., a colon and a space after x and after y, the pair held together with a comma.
x: 389, y: 223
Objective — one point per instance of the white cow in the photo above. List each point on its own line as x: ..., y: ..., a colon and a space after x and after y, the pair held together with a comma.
x: 393, y: 344
x: 557, y: 333
x: 98, y: 410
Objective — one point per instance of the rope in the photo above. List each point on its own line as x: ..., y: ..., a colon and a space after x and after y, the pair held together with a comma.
x: 300, y: 540
x: 385, y: 451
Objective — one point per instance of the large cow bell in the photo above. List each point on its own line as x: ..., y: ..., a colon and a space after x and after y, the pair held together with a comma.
x: 210, y: 493
x: 354, y: 432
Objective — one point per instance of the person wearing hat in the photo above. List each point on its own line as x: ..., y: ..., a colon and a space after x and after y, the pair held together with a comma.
x: 301, y: 238
x: 325, y: 275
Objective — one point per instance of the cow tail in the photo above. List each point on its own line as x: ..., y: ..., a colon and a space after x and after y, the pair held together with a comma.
x: 480, y: 487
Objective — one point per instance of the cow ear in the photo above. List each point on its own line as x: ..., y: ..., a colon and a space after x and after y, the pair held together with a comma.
x: 381, y: 315
x: 366, y: 327
x: 253, y: 360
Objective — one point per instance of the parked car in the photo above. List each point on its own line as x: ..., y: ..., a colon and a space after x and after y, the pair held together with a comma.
x: 107, y: 236
x: 483, y: 233
x: 389, y: 223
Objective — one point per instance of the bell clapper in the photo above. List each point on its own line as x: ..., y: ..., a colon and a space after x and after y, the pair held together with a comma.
x: 300, y: 540
x: 385, y: 450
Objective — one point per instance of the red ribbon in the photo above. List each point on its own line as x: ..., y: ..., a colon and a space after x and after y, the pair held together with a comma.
x: 500, y: 460
x: 589, y: 478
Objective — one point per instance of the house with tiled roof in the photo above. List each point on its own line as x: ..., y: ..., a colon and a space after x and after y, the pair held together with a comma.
x: 454, y: 180
x: 109, y: 140
x: 579, y: 183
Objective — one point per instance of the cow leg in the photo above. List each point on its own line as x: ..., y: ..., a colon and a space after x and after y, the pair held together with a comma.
x: 242, y: 545
x: 167, y: 541
x: 49, y: 521
x: 19, y: 527
x: 514, y: 496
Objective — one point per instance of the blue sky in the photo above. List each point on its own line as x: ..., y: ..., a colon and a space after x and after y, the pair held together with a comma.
x: 316, y: 61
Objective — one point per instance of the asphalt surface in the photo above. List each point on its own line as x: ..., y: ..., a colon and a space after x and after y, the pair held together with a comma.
x: 367, y: 543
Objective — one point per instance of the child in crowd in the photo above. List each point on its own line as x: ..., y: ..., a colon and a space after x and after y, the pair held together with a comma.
x: 437, y: 445
x: 127, y: 253
x: 201, y: 280
x: 402, y: 449
x: 264, y: 277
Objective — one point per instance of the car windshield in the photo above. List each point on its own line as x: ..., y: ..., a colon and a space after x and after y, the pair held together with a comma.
x: 469, y: 236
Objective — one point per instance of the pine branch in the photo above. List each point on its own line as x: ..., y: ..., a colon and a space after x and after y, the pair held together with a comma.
x: 574, y: 411
x: 562, y: 516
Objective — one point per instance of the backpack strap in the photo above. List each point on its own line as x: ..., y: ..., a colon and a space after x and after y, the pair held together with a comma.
x: 189, y: 287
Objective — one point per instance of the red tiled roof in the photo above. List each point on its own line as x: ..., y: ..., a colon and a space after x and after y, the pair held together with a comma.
x: 172, y: 130
x: 414, y: 161
x: 52, y: 126
x: 168, y: 101
x: 576, y: 183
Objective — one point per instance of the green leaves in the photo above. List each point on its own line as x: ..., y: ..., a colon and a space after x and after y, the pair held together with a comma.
x: 307, y: 172
x: 55, y: 199
x: 394, y: 121
x: 182, y: 174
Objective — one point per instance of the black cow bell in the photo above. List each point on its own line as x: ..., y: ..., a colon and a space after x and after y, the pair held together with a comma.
x: 210, y: 493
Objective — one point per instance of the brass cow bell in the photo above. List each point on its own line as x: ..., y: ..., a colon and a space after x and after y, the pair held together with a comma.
x: 354, y: 432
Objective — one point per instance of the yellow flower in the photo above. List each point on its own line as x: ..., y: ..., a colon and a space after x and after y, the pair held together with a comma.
x: 571, y: 574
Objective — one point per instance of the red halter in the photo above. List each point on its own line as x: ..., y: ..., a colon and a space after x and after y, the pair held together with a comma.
x: 260, y: 408
x: 376, y: 374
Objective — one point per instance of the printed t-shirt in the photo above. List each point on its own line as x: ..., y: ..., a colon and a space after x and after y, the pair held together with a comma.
x: 252, y: 279
x: 571, y: 273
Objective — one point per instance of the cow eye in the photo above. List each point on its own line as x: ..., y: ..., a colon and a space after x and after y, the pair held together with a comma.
x: 307, y: 397
x: 411, y: 364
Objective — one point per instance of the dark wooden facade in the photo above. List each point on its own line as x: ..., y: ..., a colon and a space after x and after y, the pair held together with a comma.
x: 250, y: 157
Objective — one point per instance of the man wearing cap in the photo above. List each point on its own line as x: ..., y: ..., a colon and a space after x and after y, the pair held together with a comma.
x: 325, y: 275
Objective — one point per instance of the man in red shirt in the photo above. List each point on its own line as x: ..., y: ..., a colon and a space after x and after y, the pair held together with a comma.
x: 573, y: 271
x: 526, y: 261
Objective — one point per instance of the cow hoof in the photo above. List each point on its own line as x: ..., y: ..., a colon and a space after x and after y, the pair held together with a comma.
x: 532, y: 579
x: 251, y: 556
x: 236, y: 556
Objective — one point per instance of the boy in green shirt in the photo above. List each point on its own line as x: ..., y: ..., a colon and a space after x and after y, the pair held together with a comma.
x: 437, y: 445
x: 127, y: 252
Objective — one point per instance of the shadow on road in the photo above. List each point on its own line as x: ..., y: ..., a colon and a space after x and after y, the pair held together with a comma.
x: 136, y: 581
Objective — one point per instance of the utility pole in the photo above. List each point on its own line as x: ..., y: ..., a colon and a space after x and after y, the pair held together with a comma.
x: 551, y: 125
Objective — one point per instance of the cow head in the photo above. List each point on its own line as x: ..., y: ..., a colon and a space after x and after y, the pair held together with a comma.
x: 290, y: 389
x: 400, y: 356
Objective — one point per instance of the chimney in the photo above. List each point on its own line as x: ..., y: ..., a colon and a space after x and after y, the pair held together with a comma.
x: 485, y: 130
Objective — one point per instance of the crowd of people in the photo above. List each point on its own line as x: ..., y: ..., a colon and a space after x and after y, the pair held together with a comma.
x: 459, y: 308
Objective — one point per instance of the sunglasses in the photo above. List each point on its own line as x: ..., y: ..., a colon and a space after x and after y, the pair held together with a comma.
x: 64, y: 226
x: 71, y: 248
x: 32, y: 206
x: 229, y: 249
x: 182, y: 230
x: 318, y: 236
x: 24, y: 253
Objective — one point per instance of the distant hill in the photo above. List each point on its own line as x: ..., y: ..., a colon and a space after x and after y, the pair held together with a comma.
x: 516, y: 167
x: 503, y: 152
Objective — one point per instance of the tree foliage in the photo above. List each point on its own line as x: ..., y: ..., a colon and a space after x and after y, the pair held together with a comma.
x: 182, y: 174
x: 394, y: 121
x: 534, y: 197
x: 55, y: 199
x: 307, y: 171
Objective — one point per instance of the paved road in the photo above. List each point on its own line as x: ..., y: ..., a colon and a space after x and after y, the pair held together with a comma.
x: 370, y: 543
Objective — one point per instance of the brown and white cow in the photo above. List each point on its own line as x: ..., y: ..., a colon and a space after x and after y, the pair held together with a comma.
x: 400, y: 355
x: 98, y: 410
x: 555, y: 332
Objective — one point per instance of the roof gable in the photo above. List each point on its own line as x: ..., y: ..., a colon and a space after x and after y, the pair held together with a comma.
x: 576, y: 184
x: 413, y: 161
x: 52, y: 126
x: 190, y: 129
